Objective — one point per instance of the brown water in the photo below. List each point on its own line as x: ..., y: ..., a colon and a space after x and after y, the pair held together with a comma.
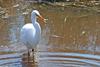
x: 70, y: 38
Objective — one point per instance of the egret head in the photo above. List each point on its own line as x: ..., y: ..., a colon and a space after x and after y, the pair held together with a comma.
x: 36, y: 13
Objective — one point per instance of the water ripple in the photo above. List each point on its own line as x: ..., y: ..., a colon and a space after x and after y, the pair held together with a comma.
x: 69, y: 59
x: 10, y: 59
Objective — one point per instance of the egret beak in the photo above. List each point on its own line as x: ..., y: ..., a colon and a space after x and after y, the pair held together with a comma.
x: 41, y: 18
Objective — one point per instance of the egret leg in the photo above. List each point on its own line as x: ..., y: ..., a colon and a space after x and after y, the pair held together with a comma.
x: 28, y: 56
x: 33, y: 55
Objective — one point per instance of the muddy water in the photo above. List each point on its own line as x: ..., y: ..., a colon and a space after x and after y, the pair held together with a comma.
x: 70, y: 38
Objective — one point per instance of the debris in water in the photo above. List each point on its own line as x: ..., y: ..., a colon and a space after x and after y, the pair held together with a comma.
x: 65, y: 19
x: 83, y: 32
x: 56, y: 36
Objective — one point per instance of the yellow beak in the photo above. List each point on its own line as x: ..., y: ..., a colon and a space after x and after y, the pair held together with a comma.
x: 41, y: 18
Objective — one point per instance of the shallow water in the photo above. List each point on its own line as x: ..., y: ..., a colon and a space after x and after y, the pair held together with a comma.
x: 70, y: 38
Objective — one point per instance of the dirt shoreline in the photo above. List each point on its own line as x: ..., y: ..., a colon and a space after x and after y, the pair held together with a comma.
x: 92, y: 5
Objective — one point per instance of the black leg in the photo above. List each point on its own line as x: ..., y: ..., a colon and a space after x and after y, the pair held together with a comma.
x: 33, y: 54
x: 28, y: 56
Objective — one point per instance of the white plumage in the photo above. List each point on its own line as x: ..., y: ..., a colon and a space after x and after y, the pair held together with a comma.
x: 31, y: 32
x: 30, y: 35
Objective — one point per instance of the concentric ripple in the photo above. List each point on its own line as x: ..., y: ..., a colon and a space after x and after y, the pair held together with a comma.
x: 10, y: 60
x: 62, y: 59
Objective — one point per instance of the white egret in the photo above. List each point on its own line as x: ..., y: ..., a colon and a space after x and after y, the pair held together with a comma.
x: 31, y: 32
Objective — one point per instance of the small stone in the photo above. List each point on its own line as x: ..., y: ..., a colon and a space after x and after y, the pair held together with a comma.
x: 17, y: 5
x: 83, y: 32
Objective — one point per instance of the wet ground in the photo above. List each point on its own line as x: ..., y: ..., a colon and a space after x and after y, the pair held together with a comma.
x: 70, y: 38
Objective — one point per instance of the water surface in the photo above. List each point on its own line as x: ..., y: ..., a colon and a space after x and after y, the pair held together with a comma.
x: 70, y: 38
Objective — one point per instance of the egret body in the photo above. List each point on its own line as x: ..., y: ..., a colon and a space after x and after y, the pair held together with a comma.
x: 31, y: 32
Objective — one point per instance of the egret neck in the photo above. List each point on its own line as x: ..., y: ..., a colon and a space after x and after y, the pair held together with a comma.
x: 36, y: 26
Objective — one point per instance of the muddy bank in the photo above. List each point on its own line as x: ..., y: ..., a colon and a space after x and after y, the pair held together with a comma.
x: 10, y: 7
